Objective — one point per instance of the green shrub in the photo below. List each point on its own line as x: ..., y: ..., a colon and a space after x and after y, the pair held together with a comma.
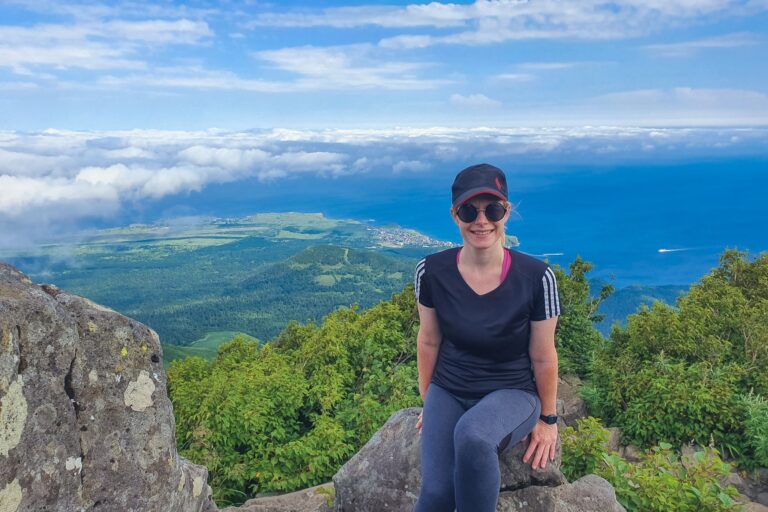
x: 679, y: 403
x: 583, y: 448
x: 756, y: 427
x: 675, y: 374
x: 577, y: 339
x: 661, y: 482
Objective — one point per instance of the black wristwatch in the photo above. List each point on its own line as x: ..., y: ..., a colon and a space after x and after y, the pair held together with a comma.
x: 549, y: 420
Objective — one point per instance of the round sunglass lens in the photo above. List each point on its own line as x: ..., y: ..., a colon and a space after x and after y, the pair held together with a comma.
x: 467, y: 213
x: 494, y: 212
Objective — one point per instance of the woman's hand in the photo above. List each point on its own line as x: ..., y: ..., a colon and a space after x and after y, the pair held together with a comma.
x: 543, y: 441
x: 418, y: 423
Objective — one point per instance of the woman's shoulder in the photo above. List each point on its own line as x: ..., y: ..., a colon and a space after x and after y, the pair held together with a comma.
x: 439, y: 259
x: 527, y: 264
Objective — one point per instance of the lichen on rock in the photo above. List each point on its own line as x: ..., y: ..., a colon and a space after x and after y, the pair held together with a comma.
x: 138, y: 394
x: 13, y: 416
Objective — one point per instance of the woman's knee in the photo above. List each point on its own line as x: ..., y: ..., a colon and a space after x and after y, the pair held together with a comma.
x: 469, y: 440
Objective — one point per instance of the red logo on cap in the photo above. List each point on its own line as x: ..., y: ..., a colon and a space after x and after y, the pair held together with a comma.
x: 498, y: 183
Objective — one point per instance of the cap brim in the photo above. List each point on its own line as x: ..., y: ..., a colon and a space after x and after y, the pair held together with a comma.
x: 469, y: 194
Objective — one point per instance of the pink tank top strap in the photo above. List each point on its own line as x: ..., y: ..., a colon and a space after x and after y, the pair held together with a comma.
x: 505, y: 265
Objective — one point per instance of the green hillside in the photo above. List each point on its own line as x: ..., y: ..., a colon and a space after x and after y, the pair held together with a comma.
x: 250, y: 275
x: 626, y: 301
x: 206, y: 347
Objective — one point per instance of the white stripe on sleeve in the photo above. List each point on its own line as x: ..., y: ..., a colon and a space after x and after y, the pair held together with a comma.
x: 545, y: 284
x: 551, y: 298
x: 420, y: 268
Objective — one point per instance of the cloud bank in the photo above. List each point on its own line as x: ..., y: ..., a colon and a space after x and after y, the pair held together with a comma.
x: 53, y: 180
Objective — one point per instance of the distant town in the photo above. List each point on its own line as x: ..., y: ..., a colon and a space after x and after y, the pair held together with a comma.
x: 398, y: 237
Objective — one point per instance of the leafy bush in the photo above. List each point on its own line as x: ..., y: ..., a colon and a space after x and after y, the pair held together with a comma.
x: 583, y: 448
x: 577, y: 339
x: 288, y: 414
x: 676, y: 374
x: 680, y: 403
x: 756, y: 427
x: 662, y: 482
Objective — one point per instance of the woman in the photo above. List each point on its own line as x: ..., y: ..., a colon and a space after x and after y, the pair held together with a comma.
x: 486, y: 352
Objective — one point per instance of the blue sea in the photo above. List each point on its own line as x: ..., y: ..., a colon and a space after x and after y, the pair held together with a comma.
x: 638, y: 224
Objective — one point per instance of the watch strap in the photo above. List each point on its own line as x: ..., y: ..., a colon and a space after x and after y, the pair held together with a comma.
x: 549, y: 420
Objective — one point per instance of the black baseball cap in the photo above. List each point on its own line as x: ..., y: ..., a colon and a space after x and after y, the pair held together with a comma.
x: 478, y: 179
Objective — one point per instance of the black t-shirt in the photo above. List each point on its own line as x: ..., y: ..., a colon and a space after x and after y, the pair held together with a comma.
x: 485, y: 337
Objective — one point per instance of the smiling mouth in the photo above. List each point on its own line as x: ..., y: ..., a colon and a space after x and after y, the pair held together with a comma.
x: 486, y: 232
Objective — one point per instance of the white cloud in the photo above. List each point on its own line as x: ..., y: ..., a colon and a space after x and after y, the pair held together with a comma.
x: 685, y: 105
x: 18, y: 86
x: 514, y: 77
x: 547, y: 66
x: 20, y: 163
x: 411, y: 166
x: 357, y: 66
x: 115, y: 44
x: 434, y: 14
x: 331, y: 68
x: 228, y: 158
x: 495, y: 21
x: 685, y: 48
x: 475, y: 101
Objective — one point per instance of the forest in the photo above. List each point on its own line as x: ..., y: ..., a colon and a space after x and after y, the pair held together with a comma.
x: 286, y: 414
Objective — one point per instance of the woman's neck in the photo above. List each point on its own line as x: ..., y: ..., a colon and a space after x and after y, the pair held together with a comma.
x: 482, y: 258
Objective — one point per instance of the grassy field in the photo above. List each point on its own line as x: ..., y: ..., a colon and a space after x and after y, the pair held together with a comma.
x: 206, y: 347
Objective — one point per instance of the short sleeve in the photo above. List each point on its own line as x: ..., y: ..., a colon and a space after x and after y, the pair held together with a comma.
x: 421, y: 285
x: 546, y: 300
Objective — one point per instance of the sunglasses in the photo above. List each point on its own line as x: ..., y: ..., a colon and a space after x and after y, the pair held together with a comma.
x: 494, y: 212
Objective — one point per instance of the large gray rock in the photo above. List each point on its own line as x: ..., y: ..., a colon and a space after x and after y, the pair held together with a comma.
x: 386, y: 473
x: 588, y: 494
x: 516, y: 474
x: 313, y: 499
x: 570, y: 406
x: 85, y: 420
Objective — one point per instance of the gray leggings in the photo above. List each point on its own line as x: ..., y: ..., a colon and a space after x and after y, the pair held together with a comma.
x: 461, y: 440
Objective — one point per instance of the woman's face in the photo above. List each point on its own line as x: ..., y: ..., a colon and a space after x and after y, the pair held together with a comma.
x: 481, y: 233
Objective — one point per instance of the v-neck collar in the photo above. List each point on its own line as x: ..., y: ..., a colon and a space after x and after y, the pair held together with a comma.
x: 507, y: 254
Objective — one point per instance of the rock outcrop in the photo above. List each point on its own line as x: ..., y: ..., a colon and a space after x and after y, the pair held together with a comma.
x: 570, y: 406
x: 588, y: 494
x: 313, y: 499
x: 385, y: 475
x: 85, y: 420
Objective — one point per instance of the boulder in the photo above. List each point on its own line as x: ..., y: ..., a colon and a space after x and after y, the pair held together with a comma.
x: 516, y: 474
x: 614, y: 440
x: 631, y: 453
x: 313, y: 499
x: 85, y: 420
x: 753, y: 507
x: 570, y: 406
x: 588, y: 494
x: 386, y: 473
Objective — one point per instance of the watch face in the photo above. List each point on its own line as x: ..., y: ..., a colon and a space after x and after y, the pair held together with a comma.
x: 549, y: 420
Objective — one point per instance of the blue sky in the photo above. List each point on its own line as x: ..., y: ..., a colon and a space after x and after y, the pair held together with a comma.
x: 242, y: 65
x: 109, y: 109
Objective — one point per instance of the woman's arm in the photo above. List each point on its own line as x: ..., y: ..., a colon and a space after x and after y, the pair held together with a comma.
x: 544, y: 360
x: 427, y: 345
